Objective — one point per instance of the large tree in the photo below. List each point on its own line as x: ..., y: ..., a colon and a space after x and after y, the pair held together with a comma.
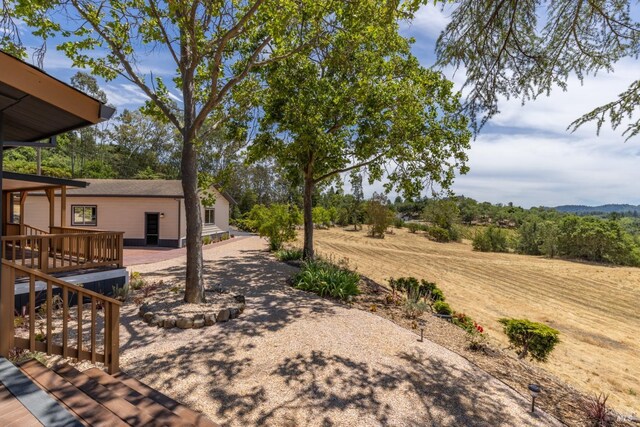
x: 526, y: 48
x: 361, y: 103
x: 214, y: 48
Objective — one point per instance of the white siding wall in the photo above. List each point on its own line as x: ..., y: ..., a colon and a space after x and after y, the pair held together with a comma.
x: 114, y: 213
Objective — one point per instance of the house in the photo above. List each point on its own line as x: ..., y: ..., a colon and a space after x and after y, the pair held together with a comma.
x: 55, y: 265
x: 148, y: 212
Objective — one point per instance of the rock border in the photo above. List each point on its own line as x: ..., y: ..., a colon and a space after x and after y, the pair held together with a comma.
x: 195, y: 321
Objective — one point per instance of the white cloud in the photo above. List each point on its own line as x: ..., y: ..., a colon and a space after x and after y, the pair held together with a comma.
x: 124, y: 95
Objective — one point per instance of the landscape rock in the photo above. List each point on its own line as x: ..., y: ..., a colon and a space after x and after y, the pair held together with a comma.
x: 223, y: 315
x: 147, y: 316
x: 239, y: 298
x: 198, y: 323
x: 157, y: 320
x: 184, y: 323
x: 169, y: 323
x: 209, y: 319
x: 234, y: 313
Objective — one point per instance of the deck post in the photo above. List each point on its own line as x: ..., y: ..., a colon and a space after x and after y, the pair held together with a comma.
x: 51, y: 195
x: 63, y: 206
x: 113, y: 351
x: 7, y: 297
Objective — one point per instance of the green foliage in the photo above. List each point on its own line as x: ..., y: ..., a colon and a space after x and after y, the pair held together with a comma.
x: 380, y: 217
x: 398, y: 223
x: 443, y: 215
x: 412, y: 226
x: 206, y: 240
x: 531, y: 338
x: 120, y: 293
x: 491, y: 239
x: 522, y: 50
x: 416, y: 290
x: 276, y: 222
x: 321, y: 216
x: 136, y: 281
x: 442, y: 307
x: 327, y: 279
x: 289, y: 254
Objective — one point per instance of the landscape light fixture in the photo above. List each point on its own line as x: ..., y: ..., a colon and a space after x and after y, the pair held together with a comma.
x: 534, y: 389
x: 161, y: 214
x: 421, y: 323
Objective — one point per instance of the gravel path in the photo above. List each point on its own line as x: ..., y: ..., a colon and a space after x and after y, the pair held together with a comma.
x: 294, y: 359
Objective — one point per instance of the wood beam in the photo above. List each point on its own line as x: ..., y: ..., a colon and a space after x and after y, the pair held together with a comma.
x: 51, y: 195
x: 63, y: 206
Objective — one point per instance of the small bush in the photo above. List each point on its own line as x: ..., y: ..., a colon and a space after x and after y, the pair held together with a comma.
x: 136, y: 281
x: 398, y: 223
x: 327, y: 279
x: 413, y: 226
x: 289, y: 254
x: 206, y: 240
x: 442, y: 307
x: 277, y: 223
x: 463, y: 321
x: 438, y: 234
x: 597, y: 412
x: 492, y: 239
x: 414, y: 309
x: 120, y: 293
x: 417, y: 289
x: 531, y: 338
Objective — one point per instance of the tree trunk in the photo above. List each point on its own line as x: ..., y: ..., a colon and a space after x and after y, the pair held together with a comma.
x: 194, y: 287
x: 307, y: 208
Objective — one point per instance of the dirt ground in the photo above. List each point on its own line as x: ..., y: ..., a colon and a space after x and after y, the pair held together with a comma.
x: 295, y: 359
x: 596, y: 308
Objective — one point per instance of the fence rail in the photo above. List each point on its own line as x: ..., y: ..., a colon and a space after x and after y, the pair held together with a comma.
x: 77, y: 339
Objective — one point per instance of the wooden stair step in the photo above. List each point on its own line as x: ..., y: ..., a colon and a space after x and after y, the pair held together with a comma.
x: 162, y: 416
x: 86, y: 408
x: 189, y: 416
x: 122, y: 408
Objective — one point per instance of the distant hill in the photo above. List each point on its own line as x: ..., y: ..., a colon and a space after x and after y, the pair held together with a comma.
x: 604, y: 209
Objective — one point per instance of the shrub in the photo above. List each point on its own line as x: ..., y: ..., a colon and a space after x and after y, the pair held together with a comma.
x: 442, y: 307
x: 321, y: 217
x: 463, y: 321
x: 416, y: 290
x: 597, y: 412
x: 414, y: 309
x: 136, y: 281
x: 398, y: 223
x: 438, y: 234
x: 327, y: 279
x: 277, y: 223
x: 530, y: 338
x: 413, y: 226
x: 380, y: 218
x: 492, y: 239
x: 120, y: 293
x: 206, y: 240
x: 289, y: 254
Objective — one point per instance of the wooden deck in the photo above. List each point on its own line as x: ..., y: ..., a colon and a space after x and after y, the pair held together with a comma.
x: 95, y: 398
x: 13, y: 413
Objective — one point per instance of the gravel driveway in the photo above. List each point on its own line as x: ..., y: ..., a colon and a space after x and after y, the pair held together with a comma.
x: 294, y: 359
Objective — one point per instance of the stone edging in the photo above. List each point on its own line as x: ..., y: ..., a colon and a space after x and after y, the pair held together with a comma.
x: 192, y: 321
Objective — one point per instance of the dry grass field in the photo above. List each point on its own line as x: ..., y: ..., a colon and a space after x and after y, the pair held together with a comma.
x: 596, y: 308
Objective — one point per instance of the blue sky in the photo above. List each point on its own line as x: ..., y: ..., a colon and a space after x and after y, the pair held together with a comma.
x: 525, y: 155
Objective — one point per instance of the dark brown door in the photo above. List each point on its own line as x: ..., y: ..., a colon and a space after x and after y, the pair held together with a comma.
x: 152, y: 228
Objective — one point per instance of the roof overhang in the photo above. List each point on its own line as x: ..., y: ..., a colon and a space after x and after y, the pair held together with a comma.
x: 12, y: 182
x: 36, y: 106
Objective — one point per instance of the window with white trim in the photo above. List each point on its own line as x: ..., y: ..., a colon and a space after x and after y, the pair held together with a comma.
x: 84, y: 215
x: 209, y: 216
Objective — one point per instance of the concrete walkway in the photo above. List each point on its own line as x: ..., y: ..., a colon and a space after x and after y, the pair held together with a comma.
x: 294, y: 359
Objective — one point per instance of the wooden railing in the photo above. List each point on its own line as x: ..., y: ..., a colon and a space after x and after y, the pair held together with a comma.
x: 23, y: 230
x: 63, y: 252
x: 102, y: 313
x: 76, y: 230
